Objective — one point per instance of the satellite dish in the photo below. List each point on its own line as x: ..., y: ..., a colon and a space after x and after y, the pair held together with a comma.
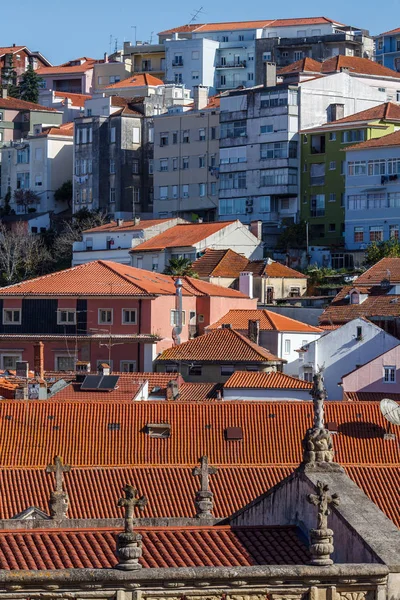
x: 390, y: 410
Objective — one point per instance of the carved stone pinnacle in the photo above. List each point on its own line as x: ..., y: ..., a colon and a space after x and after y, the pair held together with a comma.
x: 321, y: 538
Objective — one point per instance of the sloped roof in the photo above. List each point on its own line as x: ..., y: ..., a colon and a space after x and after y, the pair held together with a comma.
x: 224, y: 345
x: 370, y: 396
x: 386, y: 268
x: 139, y: 80
x: 301, y: 66
x: 391, y: 32
x: 76, y: 99
x: 220, y: 263
x: 269, y: 321
x: 182, y: 235
x: 272, y: 268
x: 67, y: 68
x: 392, y: 139
x: 355, y: 65
x: 66, y: 129
x: 16, y: 104
x: 271, y: 381
x: 388, y: 111
x: 376, y: 305
x: 234, y: 25
x: 127, y: 225
x: 106, y: 278
x: 221, y: 546
x: 10, y: 49
x: 80, y: 433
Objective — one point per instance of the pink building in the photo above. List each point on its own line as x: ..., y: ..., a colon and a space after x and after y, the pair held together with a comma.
x: 379, y: 375
x: 105, y: 312
x: 74, y: 76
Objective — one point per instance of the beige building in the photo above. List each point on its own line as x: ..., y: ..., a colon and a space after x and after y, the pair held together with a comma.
x: 186, y: 159
x: 110, y: 72
x: 145, y: 58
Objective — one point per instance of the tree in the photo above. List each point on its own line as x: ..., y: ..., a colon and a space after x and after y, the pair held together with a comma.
x: 29, y: 85
x: 292, y: 236
x: 181, y: 267
x: 72, y: 232
x: 22, y: 254
x: 26, y: 198
x: 378, y: 250
x: 64, y: 193
x: 6, y: 209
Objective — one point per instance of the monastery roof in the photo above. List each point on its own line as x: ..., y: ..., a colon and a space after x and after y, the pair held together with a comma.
x: 80, y: 433
x: 271, y: 381
x: 182, y: 235
x: 139, y: 80
x: 222, y: 345
x: 16, y: 104
x: 106, y: 278
x: 269, y: 321
x: 128, y: 225
x: 201, y: 546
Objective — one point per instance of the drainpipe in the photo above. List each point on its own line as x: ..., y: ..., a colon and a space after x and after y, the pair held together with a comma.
x: 176, y: 332
x: 140, y: 347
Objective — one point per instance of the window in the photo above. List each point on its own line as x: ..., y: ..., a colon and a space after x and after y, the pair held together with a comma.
x: 195, y: 370
x: 318, y: 205
x: 357, y: 167
x: 174, y: 137
x: 332, y: 165
x: 178, y: 60
x: 377, y: 200
x: 202, y: 134
x: 358, y: 234
x: 394, y: 232
x: 266, y: 129
x: 294, y: 293
x: 308, y: 376
x: 357, y: 202
x: 389, y: 374
x: 195, y: 75
x: 250, y: 76
x: 105, y: 316
x: 213, y: 188
x: 233, y: 129
x: 394, y: 199
x: 174, y: 164
x: 1, y: 116
x: 298, y: 55
x: 174, y: 317
x: 136, y: 195
x: 185, y: 162
x: 237, y: 154
x: 185, y: 191
x: 171, y: 368
x: 163, y: 139
x: 22, y: 181
x: 195, y: 55
x: 202, y: 190
x: 227, y: 370
x: 9, y: 361
x: 66, y: 316
x: 287, y: 346
x: 397, y: 97
x: 135, y: 166
x: 356, y: 135
x: 65, y: 363
x: 332, y: 197
x: 233, y: 181
x: 128, y: 366
x: 359, y: 333
x: 317, y: 174
x: 213, y: 160
x: 332, y: 227
x: 38, y: 180
x: 213, y: 133
x: 112, y: 166
x: 318, y: 144
x: 129, y: 316
x: 225, y: 38
x: 163, y: 192
x: 151, y: 135
x: 393, y: 166
x: 136, y: 135
x: 175, y: 191
x: 202, y: 162
x: 278, y: 150
x: 376, y: 234
x: 112, y: 195
x: 232, y: 206
x: 376, y: 167
x: 332, y: 136
x: 278, y: 177
x: 113, y: 135
x: 185, y: 136
x: 23, y: 156
x: 11, y: 316
x: 241, y: 38
x: 164, y: 164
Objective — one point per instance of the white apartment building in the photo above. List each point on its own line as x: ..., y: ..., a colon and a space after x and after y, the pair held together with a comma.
x: 35, y: 167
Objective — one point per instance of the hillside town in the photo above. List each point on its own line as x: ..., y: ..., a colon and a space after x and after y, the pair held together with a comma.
x: 200, y: 315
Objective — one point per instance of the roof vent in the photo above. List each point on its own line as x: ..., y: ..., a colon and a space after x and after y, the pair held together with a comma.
x: 158, y: 430
x: 233, y: 433
x: 332, y: 426
x: 114, y: 426
x: 226, y: 326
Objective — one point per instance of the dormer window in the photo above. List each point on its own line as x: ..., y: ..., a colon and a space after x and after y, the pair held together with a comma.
x: 357, y: 297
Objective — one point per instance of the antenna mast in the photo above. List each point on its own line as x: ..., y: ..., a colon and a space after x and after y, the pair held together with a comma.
x: 195, y: 15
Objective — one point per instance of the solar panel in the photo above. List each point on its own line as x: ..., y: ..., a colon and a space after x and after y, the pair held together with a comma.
x: 91, y: 382
x: 108, y: 382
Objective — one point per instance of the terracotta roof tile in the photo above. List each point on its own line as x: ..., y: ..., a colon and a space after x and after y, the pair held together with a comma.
x: 218, y: 546
x: 16, y: 104
x: 66, y: 129
x: 182, y: 235
x: 234, y: 25
x: 220, y: 263
x: 106, y: 278
x: 224, y: 345
x: 269, y: 320
x: 66, y: 68
x: 272, y: 268
x: 308, y: 65
x: 271, y: 381
x: 128, y: 225
x: 387, y: 111
x: 199, y: 392
x: 355, y: 64
x: 391, y: 32
x: 139, y: 80
x: 181, y: 29
x: 386, y: 268
x: 370, y: 396
x: 76, y: 99
x: 10, y: 49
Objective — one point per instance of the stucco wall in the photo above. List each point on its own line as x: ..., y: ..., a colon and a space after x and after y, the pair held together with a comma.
x: 369, y: 378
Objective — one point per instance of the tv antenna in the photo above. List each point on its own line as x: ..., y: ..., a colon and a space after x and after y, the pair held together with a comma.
x: 151, y: 37
x: 110, y: 43
x: 195, y: 15
x: 116, y: 45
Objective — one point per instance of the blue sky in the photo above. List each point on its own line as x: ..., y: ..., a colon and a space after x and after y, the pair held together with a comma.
x: 65, y: 30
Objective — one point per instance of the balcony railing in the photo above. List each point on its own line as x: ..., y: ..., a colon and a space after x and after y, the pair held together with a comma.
x: 177, y: 63
x: 233, y: 64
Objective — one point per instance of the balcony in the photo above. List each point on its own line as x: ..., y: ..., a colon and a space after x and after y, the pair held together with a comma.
x: 231, y: 84
x: 177, y: 63
x: 233, y: 64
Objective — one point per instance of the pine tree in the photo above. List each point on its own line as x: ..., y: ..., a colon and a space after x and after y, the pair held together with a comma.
x: 29, y: 85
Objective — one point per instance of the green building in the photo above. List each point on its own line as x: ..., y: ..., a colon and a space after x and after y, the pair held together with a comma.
x: 323, y: 168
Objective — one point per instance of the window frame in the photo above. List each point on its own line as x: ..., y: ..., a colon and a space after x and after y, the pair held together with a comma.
x: 123, y: 319
x: 66, y: 310
x: 389, y: 369
x: 14, y: 310
x: 100, y: 322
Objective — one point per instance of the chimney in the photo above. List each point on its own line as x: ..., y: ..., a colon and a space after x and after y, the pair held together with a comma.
x: 200, y: 96
x: 4, y: 93
x: 105, y: 57
x: 104, y: 369
x: 136, y: 220
x: 177, y: 330
x: 256, y: 229
x: 246, y: 283
x: 38, y: 359
x: 270, y: 74
x: 254, y: 331
x: 22, y: 369
x: 175, y: 36
x: 173, y: 390
x: 120, y: 222
x: 335, y: 112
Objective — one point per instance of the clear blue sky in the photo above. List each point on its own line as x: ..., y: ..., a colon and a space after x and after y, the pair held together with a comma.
x: 68, y: 29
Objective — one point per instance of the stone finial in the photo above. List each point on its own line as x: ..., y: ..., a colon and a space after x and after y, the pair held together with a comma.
x: 204, y: 497
x: 322, y: 538
x: 317, y: 443
x: 59, y: 499
x: 129, y: 543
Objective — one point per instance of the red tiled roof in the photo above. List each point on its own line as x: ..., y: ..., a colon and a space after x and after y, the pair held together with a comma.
x: 392, y: 139
x: 76, y: 99
x: 386, y: 268
x: 305, y: 65
x: 67, y: 68
x: 181, y: 29
x: 128, y: 225
x: 234, y: 25
x: 201, y: 546
x: 222, y: 345
x: 66, y: 129
x: 271, y: 381
x: 391, y: 32
x: 106, y: 278
x: 79, y: 432
x: 220, y: 263
x: 272, y: 268
x: 139, y: 80
x: 388, y: 111
x: 16, y: 104
x: 355, y: 64
x: 10, y: 49
x: 370, y: 396
x: 269, y: 321
x: 182, y: 235
x: 198, y: 392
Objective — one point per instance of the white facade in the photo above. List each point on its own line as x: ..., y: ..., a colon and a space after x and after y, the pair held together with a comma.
x: 191, y: 61
x: 265, y: 394
x: 341, y: 350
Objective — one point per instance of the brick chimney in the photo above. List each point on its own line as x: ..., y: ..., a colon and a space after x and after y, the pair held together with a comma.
x: 256, y: 229
x: 38, y: 359
x: 270, y: 74
x: 200, y: 96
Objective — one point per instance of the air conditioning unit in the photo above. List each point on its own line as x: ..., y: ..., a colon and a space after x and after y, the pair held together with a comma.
x: 249, y: 202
